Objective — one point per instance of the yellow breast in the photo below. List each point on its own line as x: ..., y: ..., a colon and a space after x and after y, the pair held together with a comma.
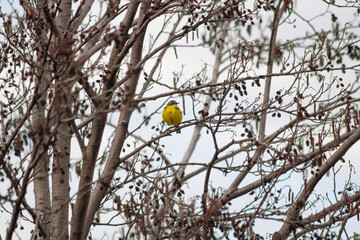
x: 172, y: 115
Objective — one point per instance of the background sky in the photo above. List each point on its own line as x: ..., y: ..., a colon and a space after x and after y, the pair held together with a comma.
x: 186, y: 64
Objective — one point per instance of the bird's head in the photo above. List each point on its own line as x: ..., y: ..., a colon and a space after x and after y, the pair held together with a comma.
x: 172, y: 102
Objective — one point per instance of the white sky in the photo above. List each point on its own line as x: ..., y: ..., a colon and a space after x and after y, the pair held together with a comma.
x: 192, y: 60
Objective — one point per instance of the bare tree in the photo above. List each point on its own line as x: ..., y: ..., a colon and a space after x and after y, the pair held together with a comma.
x: 83, y: 85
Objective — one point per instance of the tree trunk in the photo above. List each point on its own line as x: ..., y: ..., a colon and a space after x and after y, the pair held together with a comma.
x: 62, y: 128
x: 41, y: 170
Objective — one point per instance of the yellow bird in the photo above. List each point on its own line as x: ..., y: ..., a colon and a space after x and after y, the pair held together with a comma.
x: 172, y: 114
